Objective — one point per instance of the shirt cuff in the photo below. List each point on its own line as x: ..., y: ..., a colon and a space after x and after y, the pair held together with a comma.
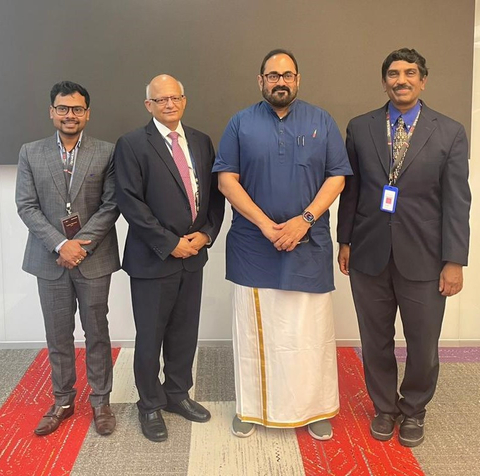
x: 57, y: 248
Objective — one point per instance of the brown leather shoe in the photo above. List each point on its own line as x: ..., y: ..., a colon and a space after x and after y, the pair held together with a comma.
x: 52, y: 419
x: 104, y: 419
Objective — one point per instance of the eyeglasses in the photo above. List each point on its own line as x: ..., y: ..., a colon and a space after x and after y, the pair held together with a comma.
x: 288, y: 77
x: 164, y: 101
x: 78, y: 111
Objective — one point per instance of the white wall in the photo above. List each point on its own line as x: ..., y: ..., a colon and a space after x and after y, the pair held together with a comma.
x: 21, y: 321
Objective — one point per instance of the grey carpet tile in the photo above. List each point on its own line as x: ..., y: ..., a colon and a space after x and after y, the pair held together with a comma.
x: 13, y: 364
x: 452, y: 428
x: 215, y: 380
x: 128, y: 453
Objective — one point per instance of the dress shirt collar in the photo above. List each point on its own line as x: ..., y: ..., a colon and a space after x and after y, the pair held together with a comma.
x: 408, y: 117
x: 164, y: 130
x: 77, y: 145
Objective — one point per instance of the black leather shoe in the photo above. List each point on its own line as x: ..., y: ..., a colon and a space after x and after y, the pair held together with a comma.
x: 153, y: 426
x: 53, y: 418
x: 383, y: 426
x: 189, y: 409
x: 412, y: 432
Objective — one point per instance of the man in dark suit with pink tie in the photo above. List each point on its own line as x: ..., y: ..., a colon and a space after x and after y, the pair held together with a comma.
x: 169, y: 197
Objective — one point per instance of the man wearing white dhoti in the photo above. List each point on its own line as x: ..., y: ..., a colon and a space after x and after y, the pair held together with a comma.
x: 281, y: 164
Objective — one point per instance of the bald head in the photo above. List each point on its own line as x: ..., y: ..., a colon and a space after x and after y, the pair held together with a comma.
x: 165, y: 100
x: 160, y: 80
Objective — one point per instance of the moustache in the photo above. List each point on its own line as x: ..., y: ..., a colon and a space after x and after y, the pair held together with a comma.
x: 402, y: 87
x: 280, y: 88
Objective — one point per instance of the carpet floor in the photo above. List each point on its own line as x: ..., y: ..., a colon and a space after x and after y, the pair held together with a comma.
x: 451, y: 446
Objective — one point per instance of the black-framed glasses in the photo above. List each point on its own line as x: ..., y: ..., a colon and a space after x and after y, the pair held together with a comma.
x: 163, y: 101
x: 78, y: 111
x: 288, y: 77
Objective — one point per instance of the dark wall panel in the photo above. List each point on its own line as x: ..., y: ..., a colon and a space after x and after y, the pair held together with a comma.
x: 114, y: 48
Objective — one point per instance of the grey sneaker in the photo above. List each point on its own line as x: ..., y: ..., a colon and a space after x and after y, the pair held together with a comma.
x: 383, y: 426
x: 321, y: 430
x: 242, y: 429
x: 412, y: 432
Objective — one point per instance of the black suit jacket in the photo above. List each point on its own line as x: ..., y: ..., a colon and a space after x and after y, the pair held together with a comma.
x: 430, y: 225
x: 152, y: 198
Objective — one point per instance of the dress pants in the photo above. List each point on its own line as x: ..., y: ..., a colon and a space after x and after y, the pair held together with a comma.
x: 58, y: 299
x: 166, y: 312
x: 421, y: 309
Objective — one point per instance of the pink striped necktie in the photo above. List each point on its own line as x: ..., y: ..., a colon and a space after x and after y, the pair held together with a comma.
x: 182, y: 166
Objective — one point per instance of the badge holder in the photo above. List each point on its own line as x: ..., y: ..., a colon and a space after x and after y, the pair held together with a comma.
x: 389, y: 199
x: 71, y: 223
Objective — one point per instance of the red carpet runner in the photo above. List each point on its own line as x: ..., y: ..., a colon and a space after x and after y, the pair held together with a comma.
x: 352, y: 451
x: 24, y: 453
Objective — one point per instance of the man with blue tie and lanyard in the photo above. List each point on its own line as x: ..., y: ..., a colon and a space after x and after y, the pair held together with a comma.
x: 403, y: 232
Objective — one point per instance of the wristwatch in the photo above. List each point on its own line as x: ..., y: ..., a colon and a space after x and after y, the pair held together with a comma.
x: 308, y: 217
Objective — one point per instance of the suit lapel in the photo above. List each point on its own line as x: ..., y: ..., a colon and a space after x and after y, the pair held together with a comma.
x: 378, y: 130
x: 157, y: 142
x: 195, y: 153
x: 425, y: 127
x: 82, y: 163
x: 54, y: 162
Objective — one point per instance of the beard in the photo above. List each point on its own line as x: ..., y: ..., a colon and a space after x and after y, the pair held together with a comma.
x: 281, y: 100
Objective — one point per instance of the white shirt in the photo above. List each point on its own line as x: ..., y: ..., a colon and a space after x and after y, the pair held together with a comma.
x: 182, y: 142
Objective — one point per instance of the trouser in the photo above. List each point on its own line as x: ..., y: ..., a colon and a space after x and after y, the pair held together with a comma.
x: 59, y: 299
x: 166, y: 312
x: 421, y: 309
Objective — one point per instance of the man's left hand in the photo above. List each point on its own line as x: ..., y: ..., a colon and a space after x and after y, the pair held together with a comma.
x: 198, y: 239
x: 451, y: 279
x: 293, y: 231
x: 64, y: 263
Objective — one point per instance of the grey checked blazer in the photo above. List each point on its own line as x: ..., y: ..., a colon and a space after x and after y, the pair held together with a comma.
x: 41, y: 196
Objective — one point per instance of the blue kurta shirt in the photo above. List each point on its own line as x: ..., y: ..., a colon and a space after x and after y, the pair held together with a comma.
x: 282, y: 165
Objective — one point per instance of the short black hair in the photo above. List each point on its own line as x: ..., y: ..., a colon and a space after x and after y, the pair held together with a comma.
x: 278, y: 51
x: 408, y: 55
x: 65, y: 88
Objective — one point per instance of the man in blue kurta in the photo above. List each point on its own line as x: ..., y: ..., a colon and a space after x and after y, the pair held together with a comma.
x: 281, y: 164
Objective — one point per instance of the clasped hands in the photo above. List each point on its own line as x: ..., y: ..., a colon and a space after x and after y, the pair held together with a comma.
x: 72, y: 253
x: 286, y: 236
x: 190, y: 245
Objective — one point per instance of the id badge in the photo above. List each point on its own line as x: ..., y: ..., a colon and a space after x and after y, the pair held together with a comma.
x: 71, y: 225
x: 389, y: 199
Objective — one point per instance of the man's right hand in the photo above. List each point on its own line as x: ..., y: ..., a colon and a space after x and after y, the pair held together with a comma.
x: 184, y: 249
x: 269, y: 232
x: 72, y: 251
x: 344, y: 258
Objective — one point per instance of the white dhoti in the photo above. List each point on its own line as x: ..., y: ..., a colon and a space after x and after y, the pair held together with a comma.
x: 285, y: 357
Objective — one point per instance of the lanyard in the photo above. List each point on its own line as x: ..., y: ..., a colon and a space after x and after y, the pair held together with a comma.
x: 396, y: 165
x: 68, y: 159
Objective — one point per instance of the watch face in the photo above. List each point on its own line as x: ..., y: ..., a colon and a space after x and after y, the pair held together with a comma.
x: 308, y: 217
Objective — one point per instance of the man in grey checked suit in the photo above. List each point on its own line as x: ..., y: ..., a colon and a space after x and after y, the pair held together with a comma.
x: 66, y: 196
